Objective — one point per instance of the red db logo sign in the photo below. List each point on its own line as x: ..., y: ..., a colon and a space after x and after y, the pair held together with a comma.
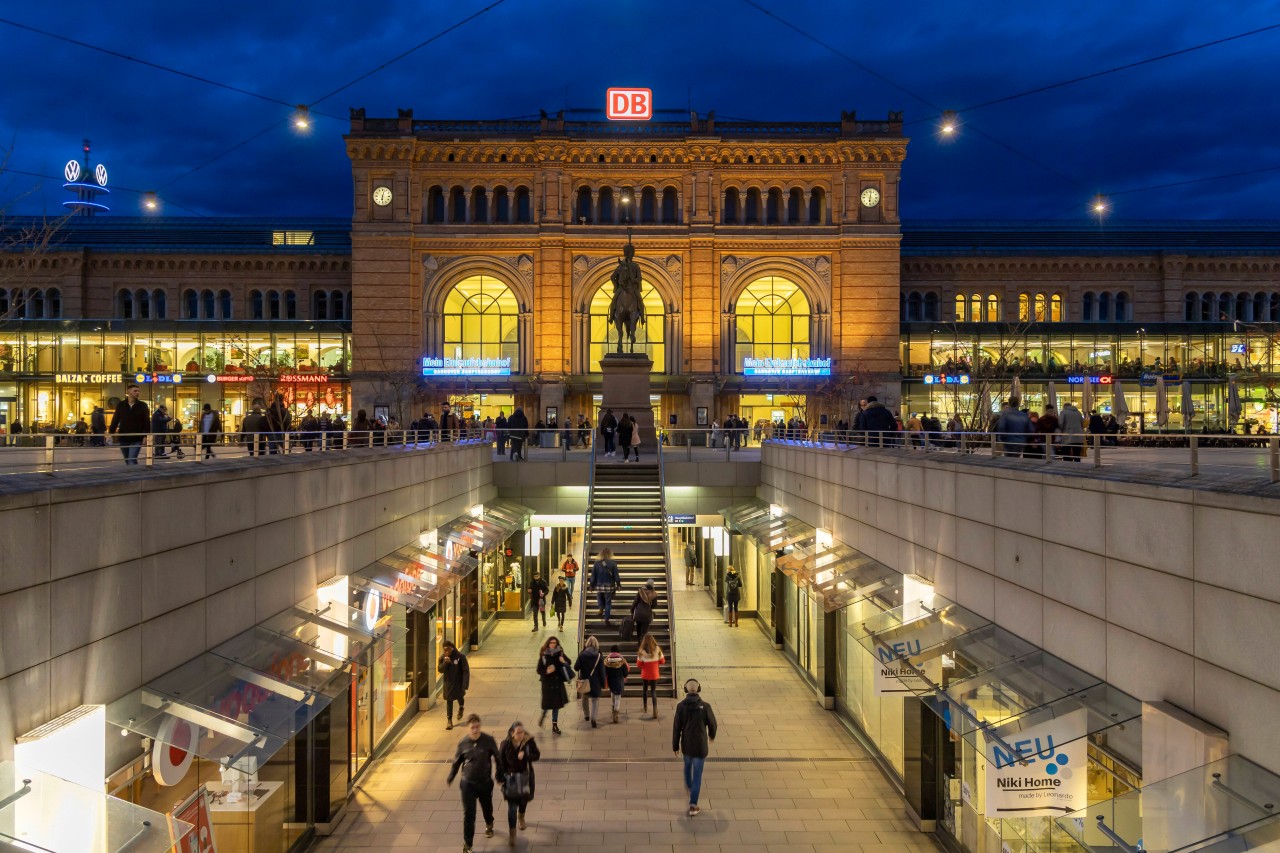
x: 630, y: 104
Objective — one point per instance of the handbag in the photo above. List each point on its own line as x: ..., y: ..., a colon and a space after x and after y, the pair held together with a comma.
x: 584, y: 684
x: 516, y: 786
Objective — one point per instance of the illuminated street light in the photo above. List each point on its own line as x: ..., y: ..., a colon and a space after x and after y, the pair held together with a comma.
x: 302, y: 118
x: 950, y: 122
x: 149, y: 201
x: 1100, y: 204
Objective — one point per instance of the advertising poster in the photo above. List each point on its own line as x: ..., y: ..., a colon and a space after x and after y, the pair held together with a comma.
x: 1040, y: 771
x: 195, y: 811
x: 896, y: 677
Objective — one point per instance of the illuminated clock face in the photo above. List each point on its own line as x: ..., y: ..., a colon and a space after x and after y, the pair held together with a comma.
x: 870, y: 197
x: 382, y: 196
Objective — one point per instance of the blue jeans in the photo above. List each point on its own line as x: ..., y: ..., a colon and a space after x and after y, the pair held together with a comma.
x: 693, y: 777
x: 130, y: 453
x: 605, y: 600
x: 569, y: 583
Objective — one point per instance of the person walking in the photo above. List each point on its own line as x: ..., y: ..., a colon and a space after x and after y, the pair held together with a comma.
x: 518, y: 753
x: 538, y: 600
x: 609, y: 430
x: 130, y: 425
x: 569, y: 568
x: 210, y: 427
x: 615, y: 675
x: 1012, y: 428
x: 1071, y: 425
x: 500, y: 425
x: 457, y: 680
x: 160, y: 429
x: 690, y: 563
x: 605, y: 581
x: 98, y: 427
x: 877, y: 420
x: 517, y: 432
x: 692, y: 732
x: 476, y: 757
x: 732, y: 594
x: 590, y: 679
x: 553, y: 672
x: 626, y: 432
x: 560, y: 602
x: 253, y: 428
x: 650, y: 660
x: 642, y: 609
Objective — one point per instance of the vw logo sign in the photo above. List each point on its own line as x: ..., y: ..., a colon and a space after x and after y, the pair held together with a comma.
x: 100, y: 174
x: 71, y: 171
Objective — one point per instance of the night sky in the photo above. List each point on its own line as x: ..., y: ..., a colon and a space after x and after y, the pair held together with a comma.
x: 1209, y: 112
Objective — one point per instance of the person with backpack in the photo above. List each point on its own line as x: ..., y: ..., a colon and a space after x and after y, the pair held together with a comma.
x: 605, y: 581
x: 475, y: 755
x: 642, y: 610
x: 553, y: 672
x: 732, y: 594
x: 650, y: 660
x: 590, y: 679
x: 569, y: 568
x: 615, y: 675
x: 517, y: 754
x: 692, y: 732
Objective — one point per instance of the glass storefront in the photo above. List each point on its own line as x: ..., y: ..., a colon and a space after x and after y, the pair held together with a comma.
x: 60, y: 371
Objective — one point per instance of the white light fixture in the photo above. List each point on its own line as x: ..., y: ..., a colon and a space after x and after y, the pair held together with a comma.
x: 720, y: 542
x: 70, y: 747
x: 532, y: 542
x: 706, y: 533
x: 917, y: 590
x: 477, y: 510
x: 775, y: 510
x: 823, y: 538
x: 427, y: 539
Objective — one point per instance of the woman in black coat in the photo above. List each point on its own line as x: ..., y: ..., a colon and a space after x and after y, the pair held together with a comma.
x: 590, y: 668
x: 516, y: 755
x: 456, y: 674
x: 554, y: 671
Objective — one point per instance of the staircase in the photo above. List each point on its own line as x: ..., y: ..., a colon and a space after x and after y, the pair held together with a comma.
x: 628, y: 516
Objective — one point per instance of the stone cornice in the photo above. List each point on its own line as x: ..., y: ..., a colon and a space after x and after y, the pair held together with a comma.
x: 219, y: 263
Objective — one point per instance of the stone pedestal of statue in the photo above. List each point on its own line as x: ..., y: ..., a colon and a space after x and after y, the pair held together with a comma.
x: 626, y: 389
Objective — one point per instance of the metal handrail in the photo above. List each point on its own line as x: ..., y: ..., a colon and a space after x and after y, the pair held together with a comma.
x: 666, y: 561
x: 587, y: 565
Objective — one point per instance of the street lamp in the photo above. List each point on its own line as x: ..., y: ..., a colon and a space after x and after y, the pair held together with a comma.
x: 302, y: 118
x: 626, y: 212
x: 950, y: 122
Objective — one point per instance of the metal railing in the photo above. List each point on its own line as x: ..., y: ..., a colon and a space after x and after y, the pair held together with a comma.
x: 666, y: 562
x: 588, y: 565
x: 61, y: 453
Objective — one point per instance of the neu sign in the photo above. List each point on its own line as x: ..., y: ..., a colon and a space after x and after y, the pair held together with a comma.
x: 629, y: 104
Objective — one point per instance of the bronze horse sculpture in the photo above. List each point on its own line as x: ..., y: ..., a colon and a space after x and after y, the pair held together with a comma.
x: 626, y: 310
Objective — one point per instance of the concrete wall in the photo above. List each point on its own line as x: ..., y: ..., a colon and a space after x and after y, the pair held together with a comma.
x: 560, y: 488
x: 104, y: 587
x: 1166, y: 593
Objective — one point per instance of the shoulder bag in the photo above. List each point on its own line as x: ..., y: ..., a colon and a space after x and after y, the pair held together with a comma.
x: 584, y: 684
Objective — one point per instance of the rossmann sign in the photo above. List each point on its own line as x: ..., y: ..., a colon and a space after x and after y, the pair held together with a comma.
x: 629, y: 104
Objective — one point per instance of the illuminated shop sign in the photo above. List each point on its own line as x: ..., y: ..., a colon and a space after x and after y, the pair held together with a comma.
x: 158, y: 378
x: 1148, y: 380
x: 228, y: 378
x: 629, y: 104
x: 786, y: 367
x: 86, y: 378
x: 946, y: 379
x: 1092, y: 380
x: 466, y: 367
x: 302, y: 377
x: 1237, y: 349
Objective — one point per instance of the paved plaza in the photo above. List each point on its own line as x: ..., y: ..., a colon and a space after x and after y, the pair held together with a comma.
x: 783, y: 774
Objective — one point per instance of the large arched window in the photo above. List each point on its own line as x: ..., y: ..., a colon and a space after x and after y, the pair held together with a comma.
x: 772, y: 321
x: 649, y: 335
x: 190, y: 305
x: 482, y: 320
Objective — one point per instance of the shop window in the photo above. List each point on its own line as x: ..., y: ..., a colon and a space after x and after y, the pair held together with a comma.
x: 524, y: 209
x: 670, y: 206
x: 190, y: 305
x: 482, y: 320
x: 256, y: 303
x: 649, y: 335
x: 224, y: 304
x: 771, y: 320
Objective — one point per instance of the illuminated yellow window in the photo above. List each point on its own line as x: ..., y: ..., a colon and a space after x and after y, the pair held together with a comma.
x: 1024, y: 308
x: 293, y: 238
x: 975, y: 308
x: 1055, y: 308
x: 993, y: 308
x: 961, y: 304
x: 482, y: 320
x: 649, y: 335
x: 1041, y: 314
x: 772, y: 320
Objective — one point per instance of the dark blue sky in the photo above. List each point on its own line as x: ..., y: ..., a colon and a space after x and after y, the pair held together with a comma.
x: 1206, y: 113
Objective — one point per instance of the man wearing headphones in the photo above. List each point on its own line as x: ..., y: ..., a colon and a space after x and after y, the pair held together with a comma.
x: 694, y: 729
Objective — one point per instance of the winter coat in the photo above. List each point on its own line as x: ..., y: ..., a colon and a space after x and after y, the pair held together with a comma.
x: 1047, y: 423
x: 472, y: 758
x: 650, y: 668
x: 642, y: 610
x: 876, y: 418
x: 510, y: 761
x: 255, y: 422
x: 98, y: 421
x: 553, y: 693
x: 215, y: 425
x: 560, y: 598
x: 457, y: 674
x: 517, y: 425
x: 159, y: 422
x: 694, y: 727
x: 1013, y: 421
x: 1071, y: 424
x: 604, y: 575
x: 733, y: 586
x: 590, y: 668
x: 626, y: 430
x: 538, y: 593
x: 1097, y: 425
x: 129, y: 420
x: 615, y: 672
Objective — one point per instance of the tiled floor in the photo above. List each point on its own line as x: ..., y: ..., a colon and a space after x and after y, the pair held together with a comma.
x: 783, y: 775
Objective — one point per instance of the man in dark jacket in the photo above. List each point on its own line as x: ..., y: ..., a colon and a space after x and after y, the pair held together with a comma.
x: 517, y: 431
x: 476, y: 756
x: 159, y: 428
x: 538, y: 592
x: 604, y: 581
x: 500, y: 432
x: 692, y: 732
x: 98, y: 427
x: 130, y: 424
x: 209, y: 426
x: 255, y: 424
x: 878, y: 420
x: 456, y: 679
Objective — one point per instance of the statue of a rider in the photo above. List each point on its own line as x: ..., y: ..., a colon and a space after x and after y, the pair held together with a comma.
x: 626, y: 310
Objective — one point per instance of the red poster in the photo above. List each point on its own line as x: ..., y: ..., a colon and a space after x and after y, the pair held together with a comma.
x: 195, y: 811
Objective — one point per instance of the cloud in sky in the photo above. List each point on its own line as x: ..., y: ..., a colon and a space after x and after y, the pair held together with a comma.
x: 1205, y: 113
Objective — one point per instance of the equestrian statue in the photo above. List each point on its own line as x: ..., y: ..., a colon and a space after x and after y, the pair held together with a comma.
x: 626, y: 310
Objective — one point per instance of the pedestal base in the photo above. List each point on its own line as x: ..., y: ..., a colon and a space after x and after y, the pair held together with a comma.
x: 626, y: 390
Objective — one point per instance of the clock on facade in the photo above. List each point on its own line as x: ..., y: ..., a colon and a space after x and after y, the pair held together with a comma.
x: 870, y: 197
x: 382, y: 196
